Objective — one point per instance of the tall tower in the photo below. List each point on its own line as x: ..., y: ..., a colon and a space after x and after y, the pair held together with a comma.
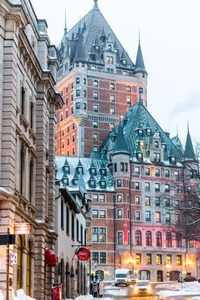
x: 98, y: 82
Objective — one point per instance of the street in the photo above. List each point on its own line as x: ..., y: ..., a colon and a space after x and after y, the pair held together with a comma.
x: 127, y: 293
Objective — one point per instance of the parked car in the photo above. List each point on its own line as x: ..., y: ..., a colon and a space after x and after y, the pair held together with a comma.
x: 132, y: 279
x: 190, y: 278
x: 142, y: 287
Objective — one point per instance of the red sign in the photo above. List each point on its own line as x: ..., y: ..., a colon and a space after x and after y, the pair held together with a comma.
x: 56, y: 293
x: 83, y: 253
x: 22, y: 228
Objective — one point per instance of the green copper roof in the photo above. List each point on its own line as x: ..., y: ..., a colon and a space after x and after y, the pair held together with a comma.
x: 189, y: 150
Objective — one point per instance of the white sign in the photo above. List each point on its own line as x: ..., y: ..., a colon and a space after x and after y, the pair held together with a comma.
x: 13, y: 258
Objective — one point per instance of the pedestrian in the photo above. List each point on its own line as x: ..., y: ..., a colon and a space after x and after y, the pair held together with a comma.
x: 101, y: 289
x: 95, y: 289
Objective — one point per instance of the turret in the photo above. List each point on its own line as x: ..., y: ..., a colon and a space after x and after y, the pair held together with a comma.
x: 141, y: 73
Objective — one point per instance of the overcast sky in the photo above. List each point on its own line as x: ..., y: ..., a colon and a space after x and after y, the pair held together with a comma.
x: 170, y: 41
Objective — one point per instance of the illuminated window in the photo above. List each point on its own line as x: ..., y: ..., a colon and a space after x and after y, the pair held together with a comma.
x: 159, y: 259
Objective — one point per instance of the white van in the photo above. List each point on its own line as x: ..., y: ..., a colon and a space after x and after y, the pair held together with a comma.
x: 121, y: 277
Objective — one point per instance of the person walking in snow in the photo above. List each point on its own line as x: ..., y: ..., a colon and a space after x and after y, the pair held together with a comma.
x: 101, y: 289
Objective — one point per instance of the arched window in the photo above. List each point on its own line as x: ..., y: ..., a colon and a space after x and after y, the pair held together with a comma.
x: 28, y: 269
x: 138, y: 238
x: 158, y: 239
x: 168, y: 239
x: 19, y: 262
x: 148, y: 238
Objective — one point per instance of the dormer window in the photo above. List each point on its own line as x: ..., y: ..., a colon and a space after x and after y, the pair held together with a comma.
x: 156, y: 157
x: 164, y: 147
x: 156, y: 144
x: 92, y: 183
x: 140, y: 132
x: 102, y: 184
x: 79, y: 170
x: 109, y: 47
x: 124, y: 62
x: 148, y: 130
x: 173, y: 159
x: 93, y: 171
x: 75, y: 181
x: 139, y: 156
x: 65, y: 181
x: 66, y: 169
x: 109, y: 59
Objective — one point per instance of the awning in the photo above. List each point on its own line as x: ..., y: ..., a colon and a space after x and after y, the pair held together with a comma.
x: 50, y: 257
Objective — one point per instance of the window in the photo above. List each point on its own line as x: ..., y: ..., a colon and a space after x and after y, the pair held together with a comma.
x: 95, y: 108
x: 119, y: 182
x: 124, y: 167
x: 177, y: 189
x: 178, y: 240
x: 102, y: 214
x: 179, y: 260
x: 119, y: 198
x: 102, y: 198
x: 168, y: 239
x: 157, y: 187
x: 168, y: 259
x: 77, y: 80
x: 159, y: 259
x: 95, y: 95
x: 102, y: 258
x: 128, y: 100
x: 157, y: 201
x: 147, y: 216
x: 112, y: 86
x: 120, y: 238
x: 95, y: 124
x: 95, y: 83
x: 109, y: 59
x: 138, y: 238
x: 137, y: 200
x: 147, y: 171
x: 167, y: 202
x: 147, y: 186
x: 137, y: 215
x: 78, y: 105
x: 158, y: 239
x: 95, y: 137
x: 167, y: 188
x: 95, y: 213
x: 177, y: 203
x: 94, y: 197
x: 138, y: 259
x: 157, y: 172
x: 156, y: 144
x: 99, y: 234
x: 148, y: 259
x: 167, y: 173
x: 137, y: 170
x: 78, y: 93
x: 112, y: 110
x: 158, y: 217
x: 156, y: 156
x: 97, y: 255
x: 22, y: 100
x: 176, y: 174
x: 191, y: 243
x: 137, y: 185
x: 112, y: 98
x: 148, y: 238
x: 147, y: 201
x: 167, y: 217
x: 84, y: 93
x: 119, y: 214
x: 128, y: 88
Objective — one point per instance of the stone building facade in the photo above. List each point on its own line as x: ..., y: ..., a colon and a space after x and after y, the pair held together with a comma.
x: 137, y: 177
x: 28, y: 104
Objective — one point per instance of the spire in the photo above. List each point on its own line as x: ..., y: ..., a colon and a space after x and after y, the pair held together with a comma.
x: 80, y: 50
x: 95, y: 4
x: 65, y: 29
x: 189, y: 150
x: 120, y: 143
x: 139, y: 65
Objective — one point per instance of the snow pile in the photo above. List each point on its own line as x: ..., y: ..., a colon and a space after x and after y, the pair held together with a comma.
x: 180, y: 289
x: 21, y: 296
x: 1, y: 296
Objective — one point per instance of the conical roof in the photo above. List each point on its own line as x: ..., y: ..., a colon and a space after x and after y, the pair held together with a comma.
x: 139, y: 64
x: 189, y: 150
x: 120, y: 143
